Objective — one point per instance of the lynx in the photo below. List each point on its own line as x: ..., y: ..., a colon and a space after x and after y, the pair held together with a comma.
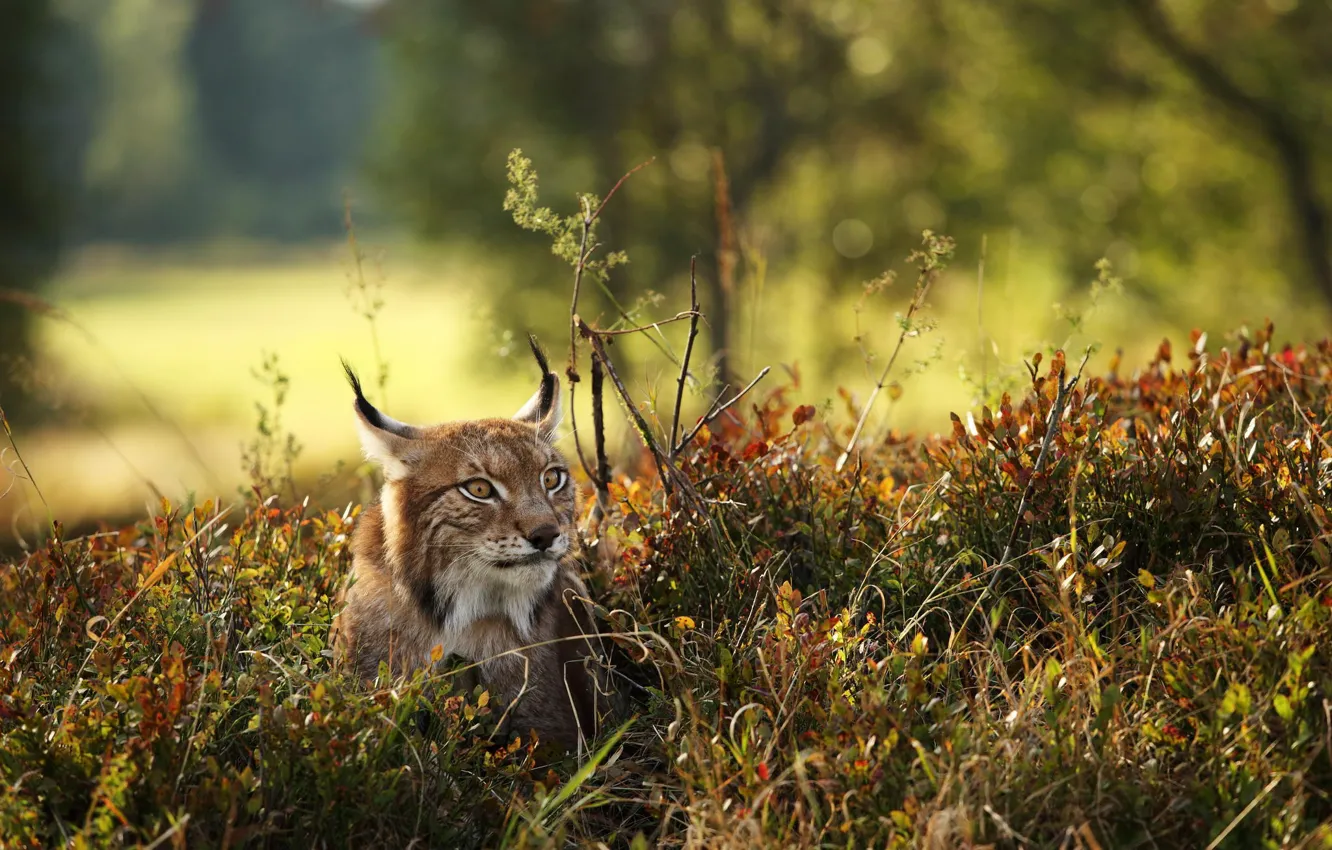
x: 469, y: 553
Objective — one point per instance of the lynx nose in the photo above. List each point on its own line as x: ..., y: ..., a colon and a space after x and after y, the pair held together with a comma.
x: 544, y: 537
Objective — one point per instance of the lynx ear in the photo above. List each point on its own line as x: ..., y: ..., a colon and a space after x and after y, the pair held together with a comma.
x: 384, y: 440
x: 544, y: 409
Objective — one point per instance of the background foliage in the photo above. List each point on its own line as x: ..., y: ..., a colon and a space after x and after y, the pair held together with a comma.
x: 1166, y: 136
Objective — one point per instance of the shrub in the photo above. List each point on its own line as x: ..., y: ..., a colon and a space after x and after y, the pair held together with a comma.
x: 950, y: 642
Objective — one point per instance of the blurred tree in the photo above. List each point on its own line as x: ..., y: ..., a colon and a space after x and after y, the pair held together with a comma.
x: 1188, y: 137
x: 34, y: 139
x: 141, y: 152
x: 232, y: 117
x: 285, y: 94
x: 1291, y: 109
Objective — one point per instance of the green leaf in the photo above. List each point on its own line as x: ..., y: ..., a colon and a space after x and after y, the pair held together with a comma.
x: 1237, y: 700
x: 1282, y: 705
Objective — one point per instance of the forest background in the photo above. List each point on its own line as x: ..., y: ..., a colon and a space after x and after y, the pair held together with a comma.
x: 178, y: 179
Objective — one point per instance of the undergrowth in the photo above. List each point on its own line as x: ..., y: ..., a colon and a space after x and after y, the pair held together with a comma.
x: 1145, y: 672
x: 1091, y: 618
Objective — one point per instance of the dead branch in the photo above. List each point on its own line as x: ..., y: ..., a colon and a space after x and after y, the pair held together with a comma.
x: 651, y: 326
x: 640, y: 424
x: 689, y: 349
x: 917, y: 301
x: 716, y: 410
x: 602, y: 479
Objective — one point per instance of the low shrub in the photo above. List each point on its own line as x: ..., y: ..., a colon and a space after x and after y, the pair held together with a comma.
x: 1089, y: 618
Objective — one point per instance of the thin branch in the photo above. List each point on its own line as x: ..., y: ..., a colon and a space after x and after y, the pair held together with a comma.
x: 689, y: 349
x: 571, y: 370
x: 716, y: 410
x: 917, y: 301
x: 618, y: 183
x: 584, y: 253
x: 1051, y: 426
x: 651, y: 326
x: 585, y: 250
x: 640, y: 424
x: 602, y: 479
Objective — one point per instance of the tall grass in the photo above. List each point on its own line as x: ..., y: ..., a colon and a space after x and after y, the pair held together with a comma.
x: 1094, y: 616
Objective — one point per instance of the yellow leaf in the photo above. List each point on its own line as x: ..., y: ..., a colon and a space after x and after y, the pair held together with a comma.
x: 684, y: 623
x: 886, y: 488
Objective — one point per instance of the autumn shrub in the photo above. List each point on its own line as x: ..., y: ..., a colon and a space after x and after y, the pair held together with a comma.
x: 889, y: 655
x: 1093, y: 617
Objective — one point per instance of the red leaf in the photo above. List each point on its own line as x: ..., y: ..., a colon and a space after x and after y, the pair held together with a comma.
x: 803, y: 414
x: 756, y: 449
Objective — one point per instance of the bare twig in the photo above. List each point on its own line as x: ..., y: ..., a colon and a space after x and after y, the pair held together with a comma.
x: 618, y: 183
x: 640, y: 424
x: 584, y: 253
x: 716, y: 410
x: 571, y: 370
x: 689, y: 349
x: 652, y: 326
x: 585, y: 250
x: 602, y: 479
x: 1051, y: 426
x: 928, y: 272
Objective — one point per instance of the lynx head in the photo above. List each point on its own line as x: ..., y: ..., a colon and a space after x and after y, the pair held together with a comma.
x: 476, y: 513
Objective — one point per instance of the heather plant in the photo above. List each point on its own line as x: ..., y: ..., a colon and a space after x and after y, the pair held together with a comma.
x: 1090, y: 617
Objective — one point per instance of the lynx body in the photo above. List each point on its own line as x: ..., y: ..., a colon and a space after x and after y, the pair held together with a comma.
x: 468, y: 554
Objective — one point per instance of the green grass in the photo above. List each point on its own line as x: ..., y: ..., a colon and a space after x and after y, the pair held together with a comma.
x: 127, y: 414
x: 819, y: 658
x: 162, y: 396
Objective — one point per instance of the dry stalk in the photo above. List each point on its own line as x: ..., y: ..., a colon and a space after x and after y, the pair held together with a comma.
x: 923, y: 285
x: 602, y: 479
x: 1051, y: 425
x: 689, y: 349
x: 717, y: 409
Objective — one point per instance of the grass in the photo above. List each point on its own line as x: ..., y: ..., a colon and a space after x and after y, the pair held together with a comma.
x: 131, y: 421
x: 1091, y: 616
x: 823, y: 659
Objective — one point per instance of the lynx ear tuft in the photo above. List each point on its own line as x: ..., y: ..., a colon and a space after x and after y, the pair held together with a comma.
x: 385, y: 440
x: 544, y: 409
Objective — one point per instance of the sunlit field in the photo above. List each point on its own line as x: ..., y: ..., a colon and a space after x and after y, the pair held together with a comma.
x: 150, y: 364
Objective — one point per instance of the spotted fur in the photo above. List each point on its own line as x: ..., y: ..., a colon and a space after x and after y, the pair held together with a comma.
x: 437, y: 572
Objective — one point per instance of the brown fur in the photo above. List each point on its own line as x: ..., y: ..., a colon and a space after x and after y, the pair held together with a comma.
x: 434, y: 568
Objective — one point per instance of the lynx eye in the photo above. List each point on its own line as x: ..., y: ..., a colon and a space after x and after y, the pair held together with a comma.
x: 553, y: 479
x: 479, y: 489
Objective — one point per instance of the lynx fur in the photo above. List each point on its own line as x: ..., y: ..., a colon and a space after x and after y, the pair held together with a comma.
x: 469, y: 554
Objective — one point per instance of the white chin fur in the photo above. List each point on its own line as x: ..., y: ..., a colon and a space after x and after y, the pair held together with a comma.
x: 480, y: 589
